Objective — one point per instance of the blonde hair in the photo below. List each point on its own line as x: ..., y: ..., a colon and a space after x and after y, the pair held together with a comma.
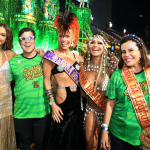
x: 103, y: 64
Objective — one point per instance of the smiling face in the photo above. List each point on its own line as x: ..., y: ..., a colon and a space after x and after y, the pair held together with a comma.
x: 130, y: 54
x: 2, y: 35
x: 28, y: 46
x: 65, y: 40
x: 96, y: 47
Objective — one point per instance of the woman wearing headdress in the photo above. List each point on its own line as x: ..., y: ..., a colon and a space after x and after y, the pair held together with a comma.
x: 63, y: 66
x: 127, y: 109
x: 94, y: 78
x: 7, y: 133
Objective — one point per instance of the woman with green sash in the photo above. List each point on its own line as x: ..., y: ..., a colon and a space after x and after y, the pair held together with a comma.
x: 127, y: 110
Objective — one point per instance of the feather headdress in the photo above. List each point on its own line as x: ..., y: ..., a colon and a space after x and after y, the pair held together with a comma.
x: 67, y: 21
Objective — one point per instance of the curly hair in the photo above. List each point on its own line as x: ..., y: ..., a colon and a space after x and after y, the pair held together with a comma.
x: 67, y: 21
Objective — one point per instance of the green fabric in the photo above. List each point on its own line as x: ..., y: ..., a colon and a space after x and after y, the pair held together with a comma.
x: 124, y: 123
x: 30, y: 98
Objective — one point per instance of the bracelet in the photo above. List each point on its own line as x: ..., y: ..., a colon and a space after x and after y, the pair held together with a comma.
x: 103, y: 128
x: 49, y: 96
x: 50, y: 103
x: 104, y: 125
x: 48, y: 91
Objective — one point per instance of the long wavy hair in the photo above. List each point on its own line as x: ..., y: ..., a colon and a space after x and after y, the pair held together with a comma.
x: 103, y: 64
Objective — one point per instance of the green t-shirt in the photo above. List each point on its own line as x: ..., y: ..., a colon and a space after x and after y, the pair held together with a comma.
x: 30, y: 98
x: 124, y: 123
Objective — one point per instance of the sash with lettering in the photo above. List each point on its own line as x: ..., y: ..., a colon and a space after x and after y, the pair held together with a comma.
x: 139, y: 103
x: 90, y: 89
x: 70, y: 70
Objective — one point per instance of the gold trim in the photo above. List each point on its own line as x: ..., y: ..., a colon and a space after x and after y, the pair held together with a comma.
x: 138, y: 101
x: 90, y: 90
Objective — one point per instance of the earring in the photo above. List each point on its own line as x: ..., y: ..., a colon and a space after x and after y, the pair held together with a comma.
x: 72, y: 44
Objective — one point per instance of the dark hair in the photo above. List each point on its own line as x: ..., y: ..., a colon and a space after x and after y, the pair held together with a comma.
x: 9, y: 40
x: 26, y: 30
x: 144, y: 60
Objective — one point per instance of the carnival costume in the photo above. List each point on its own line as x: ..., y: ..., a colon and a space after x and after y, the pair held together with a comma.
x: 130, y: 120
x: 71, y: 107
x: 7, y: 133
x: 102, y: 69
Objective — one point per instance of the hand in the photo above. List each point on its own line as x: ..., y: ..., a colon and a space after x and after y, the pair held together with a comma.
x: 104, y: 140
x: 113, y: 63
x: 40, y: 51
x: 113, y: 59
x: 56, y: 112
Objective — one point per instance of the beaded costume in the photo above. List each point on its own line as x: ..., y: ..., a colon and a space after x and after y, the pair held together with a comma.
x: 103, y: 73
x: 7, y: 133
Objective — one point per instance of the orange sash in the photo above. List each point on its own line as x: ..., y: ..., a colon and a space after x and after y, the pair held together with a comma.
x: 90, y: 89
x: 139, y: 103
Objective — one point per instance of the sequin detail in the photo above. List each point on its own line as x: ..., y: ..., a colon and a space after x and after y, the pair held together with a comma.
x: 99, y: 113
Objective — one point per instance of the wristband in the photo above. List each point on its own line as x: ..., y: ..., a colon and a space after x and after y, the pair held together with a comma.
x: 49, y: 96
x: 48, y: 91
x: 104, y: 125
x: 50, y: 103
x: 103, y: 128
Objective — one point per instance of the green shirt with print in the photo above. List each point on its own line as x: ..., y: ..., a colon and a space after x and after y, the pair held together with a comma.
x: 30, y: 98
x: 124, y: 123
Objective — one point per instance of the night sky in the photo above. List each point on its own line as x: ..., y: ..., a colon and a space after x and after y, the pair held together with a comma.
x: 132, y: 15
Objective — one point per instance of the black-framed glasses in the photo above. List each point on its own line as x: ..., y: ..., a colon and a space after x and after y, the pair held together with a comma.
x: 23, y: 38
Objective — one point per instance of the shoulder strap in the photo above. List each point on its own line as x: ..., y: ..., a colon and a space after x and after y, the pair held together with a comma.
x: 74, y: 56
x: 5, y: 55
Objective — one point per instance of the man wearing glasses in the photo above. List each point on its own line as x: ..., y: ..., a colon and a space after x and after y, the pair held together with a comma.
x: 31, y: 108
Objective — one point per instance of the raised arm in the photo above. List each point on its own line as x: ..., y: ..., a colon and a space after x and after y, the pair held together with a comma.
x: 56, y: 111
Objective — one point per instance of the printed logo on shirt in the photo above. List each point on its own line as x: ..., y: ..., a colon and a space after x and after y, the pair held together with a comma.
x: 143, y: 86
x: 35, y: 84
x: 32, y: 72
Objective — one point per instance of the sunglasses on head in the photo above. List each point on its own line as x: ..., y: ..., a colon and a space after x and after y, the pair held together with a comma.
x: 30, y: 38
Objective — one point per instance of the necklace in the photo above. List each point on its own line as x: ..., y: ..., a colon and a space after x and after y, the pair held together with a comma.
x: 92, y: 67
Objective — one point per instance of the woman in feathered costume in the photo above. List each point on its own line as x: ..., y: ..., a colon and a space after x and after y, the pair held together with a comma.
x: 63, y: 66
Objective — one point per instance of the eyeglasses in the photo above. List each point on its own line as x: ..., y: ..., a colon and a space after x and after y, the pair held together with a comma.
x: 30, y: 38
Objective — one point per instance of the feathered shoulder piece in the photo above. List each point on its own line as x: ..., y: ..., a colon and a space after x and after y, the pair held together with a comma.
x: 67, y: 21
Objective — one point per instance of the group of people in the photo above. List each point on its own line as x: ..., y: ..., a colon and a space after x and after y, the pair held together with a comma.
x: 60, y: 91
